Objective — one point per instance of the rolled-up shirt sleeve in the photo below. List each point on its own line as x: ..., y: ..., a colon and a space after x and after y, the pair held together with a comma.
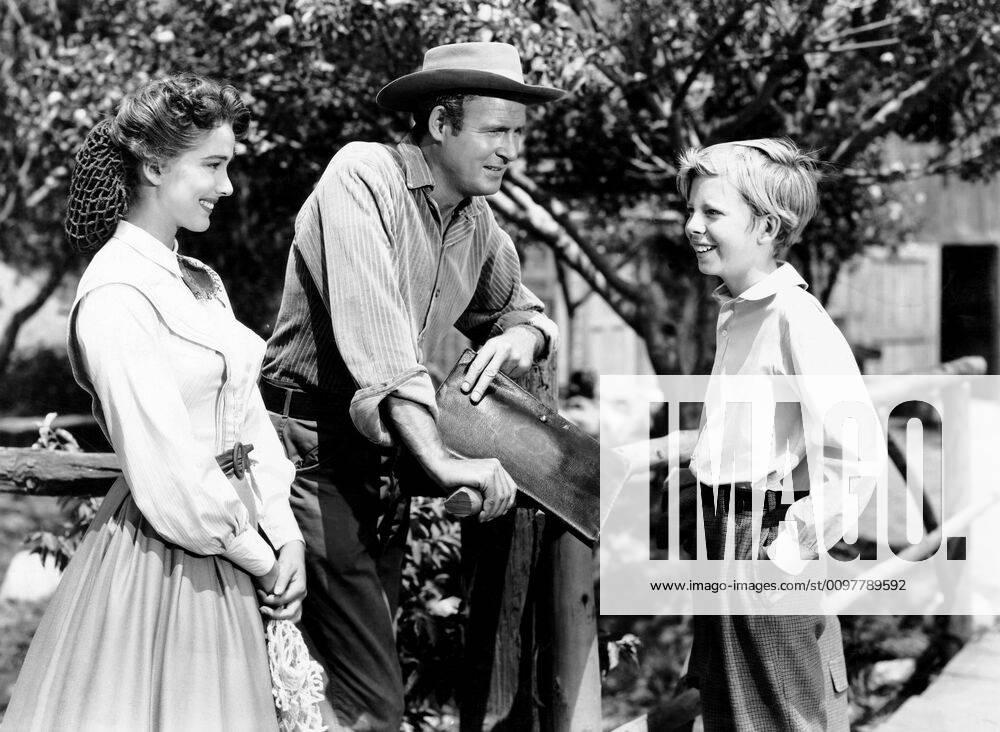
x: 830, y: 388
x: 271, y: 474
x: 501, y: 301
x: 371, y: 324
x: 173, y: 478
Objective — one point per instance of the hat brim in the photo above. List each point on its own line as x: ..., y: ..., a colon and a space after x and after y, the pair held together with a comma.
x: 404, y: 93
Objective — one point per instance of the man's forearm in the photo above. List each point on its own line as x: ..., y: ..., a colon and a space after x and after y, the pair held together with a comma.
x: 414, y: 426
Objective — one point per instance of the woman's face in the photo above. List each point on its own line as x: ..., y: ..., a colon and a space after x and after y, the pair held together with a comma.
x: 192, y: 183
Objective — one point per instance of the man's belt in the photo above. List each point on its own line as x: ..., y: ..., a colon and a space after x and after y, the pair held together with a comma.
x: 235, y: 462
x: 309, y: 406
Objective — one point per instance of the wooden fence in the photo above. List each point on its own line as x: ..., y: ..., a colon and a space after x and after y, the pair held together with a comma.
x: 531, y: 637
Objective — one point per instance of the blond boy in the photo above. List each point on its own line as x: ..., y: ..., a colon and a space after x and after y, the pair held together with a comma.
x: 747, y: 202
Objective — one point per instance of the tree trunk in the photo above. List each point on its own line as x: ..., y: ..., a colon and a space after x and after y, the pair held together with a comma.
x: 9, y: 336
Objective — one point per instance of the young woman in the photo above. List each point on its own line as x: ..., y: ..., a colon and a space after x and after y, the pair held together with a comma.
x: 156, y: 624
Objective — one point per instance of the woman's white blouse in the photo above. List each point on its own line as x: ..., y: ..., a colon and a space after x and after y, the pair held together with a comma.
x: 170, y: 405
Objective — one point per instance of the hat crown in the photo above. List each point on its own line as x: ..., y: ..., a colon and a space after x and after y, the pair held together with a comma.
x: 491, y: 69
x: 495, y: 58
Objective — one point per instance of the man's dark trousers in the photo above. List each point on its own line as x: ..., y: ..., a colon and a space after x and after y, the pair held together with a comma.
x: 355, y: 523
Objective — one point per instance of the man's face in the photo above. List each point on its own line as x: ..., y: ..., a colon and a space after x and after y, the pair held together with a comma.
x: 474, y: 159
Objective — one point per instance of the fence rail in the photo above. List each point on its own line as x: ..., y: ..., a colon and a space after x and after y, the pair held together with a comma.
x: 36, y: 472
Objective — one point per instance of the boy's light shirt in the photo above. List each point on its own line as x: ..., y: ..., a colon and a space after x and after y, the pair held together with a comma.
x: 776, y: 328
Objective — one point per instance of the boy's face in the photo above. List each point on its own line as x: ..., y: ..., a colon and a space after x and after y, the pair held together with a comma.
x: 727, y: 240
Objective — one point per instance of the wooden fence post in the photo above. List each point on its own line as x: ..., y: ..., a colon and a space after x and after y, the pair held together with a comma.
x: 571, y: 666
x: 570, y: 669
x: 500, y: 560
x: 530, y: 579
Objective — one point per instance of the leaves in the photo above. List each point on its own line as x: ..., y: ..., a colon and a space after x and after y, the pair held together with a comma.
x: 430, y: 621
x: 78, y: 512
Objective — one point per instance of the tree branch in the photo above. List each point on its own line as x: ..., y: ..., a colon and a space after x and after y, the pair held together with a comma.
x: 900, y: 104
x: 558, y: 212
x: 562, y: 275
x: 866, y: 28
x: 21, y: 315
x: 39, y: 194
x: 16, y: 14
x: 727, y: 27
x: 563, y: 281
x: 679, y: 104
x: 656, y: 168
x: 584, y: 10
x: 8, y: 206
x: 539, y: 222
x: 776, y: 75
x: 899, y: 173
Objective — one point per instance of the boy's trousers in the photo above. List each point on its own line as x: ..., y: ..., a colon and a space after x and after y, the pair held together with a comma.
x: 764, y: 672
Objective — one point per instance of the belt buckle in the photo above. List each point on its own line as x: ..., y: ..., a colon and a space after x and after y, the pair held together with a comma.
x: 239, y: 460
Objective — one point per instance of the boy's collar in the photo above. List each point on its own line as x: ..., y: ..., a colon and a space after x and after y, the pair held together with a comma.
x: 783, y: 278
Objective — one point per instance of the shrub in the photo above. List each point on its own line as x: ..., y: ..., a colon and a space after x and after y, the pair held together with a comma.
x: 430, y: 621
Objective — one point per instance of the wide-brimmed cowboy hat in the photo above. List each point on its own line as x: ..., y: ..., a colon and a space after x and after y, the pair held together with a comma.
x: 490, y: 69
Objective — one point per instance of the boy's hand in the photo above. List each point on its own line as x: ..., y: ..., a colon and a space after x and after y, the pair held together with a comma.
x: 657, y: 451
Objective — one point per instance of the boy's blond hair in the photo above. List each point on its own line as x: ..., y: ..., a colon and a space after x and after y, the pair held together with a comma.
x: 773, y: 176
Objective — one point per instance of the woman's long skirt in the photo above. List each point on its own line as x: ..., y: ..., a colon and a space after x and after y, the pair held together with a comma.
x: 143, y: 635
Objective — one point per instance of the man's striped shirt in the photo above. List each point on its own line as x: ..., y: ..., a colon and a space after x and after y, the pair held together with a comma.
x: 373, y: 283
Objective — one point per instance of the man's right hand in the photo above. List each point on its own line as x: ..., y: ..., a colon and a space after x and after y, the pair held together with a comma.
x: 485, y: 475
x: 415, y: 427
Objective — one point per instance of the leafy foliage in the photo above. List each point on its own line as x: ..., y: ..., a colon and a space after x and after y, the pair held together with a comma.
x: 430, y: 621
x: 78, y: 511
x: 23, y: 391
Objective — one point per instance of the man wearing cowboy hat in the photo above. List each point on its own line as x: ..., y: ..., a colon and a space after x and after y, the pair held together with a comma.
x: 394, y: 247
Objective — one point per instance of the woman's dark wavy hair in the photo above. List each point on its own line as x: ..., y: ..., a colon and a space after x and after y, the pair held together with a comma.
x: 157, y: 122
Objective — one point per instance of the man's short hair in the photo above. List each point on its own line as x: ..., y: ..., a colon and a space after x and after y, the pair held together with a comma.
x: 454, y: 112
x: 773, y: 176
